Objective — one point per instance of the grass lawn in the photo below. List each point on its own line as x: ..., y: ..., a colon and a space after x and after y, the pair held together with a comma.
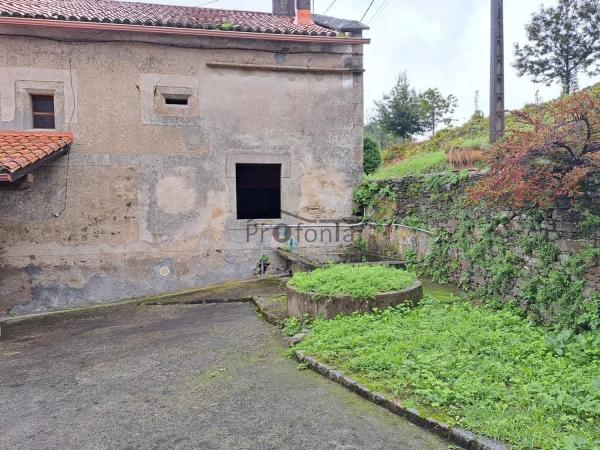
x: 489, y: 371
x: 362, y: 282
x: 415, y: 165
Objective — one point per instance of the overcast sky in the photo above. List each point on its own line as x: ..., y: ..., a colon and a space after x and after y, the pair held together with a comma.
x: 439, y: 43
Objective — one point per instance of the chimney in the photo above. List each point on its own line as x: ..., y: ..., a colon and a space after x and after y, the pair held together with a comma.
x: 303, y: 13
x: 284, y: 8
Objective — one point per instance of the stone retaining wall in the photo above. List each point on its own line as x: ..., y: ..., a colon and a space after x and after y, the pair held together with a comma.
x: 437, y: 206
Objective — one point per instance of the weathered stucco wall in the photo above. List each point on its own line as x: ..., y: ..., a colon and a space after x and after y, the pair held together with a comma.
x: 145, y: 201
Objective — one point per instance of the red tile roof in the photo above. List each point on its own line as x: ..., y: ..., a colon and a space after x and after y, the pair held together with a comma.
x: 121, y: 12
x: 21, y: 149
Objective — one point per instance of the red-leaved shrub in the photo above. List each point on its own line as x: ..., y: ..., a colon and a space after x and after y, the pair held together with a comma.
x: 553, y: 151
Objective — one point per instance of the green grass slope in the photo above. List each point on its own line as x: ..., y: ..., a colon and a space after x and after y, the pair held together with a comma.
x: 416, y: 158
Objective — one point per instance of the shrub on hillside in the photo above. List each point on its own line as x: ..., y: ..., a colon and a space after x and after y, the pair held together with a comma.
x: 372, y: 155
x: 464, y: 158
x: 397, y: 152
x: 473, y: 134
x: 548, y: 155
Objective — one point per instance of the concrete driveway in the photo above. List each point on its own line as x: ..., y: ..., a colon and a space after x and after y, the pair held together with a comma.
x: 204, y: 376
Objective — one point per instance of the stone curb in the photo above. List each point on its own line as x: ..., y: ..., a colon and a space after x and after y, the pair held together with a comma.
x: 270, y: 319
x: 459, y: 436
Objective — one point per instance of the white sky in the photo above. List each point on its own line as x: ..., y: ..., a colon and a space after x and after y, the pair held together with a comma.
x: 440, y: 43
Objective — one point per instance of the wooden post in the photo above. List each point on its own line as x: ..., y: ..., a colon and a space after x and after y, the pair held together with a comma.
x: 497, y: 119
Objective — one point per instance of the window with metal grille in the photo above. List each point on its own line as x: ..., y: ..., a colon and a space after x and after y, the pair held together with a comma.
x: 42, y: 107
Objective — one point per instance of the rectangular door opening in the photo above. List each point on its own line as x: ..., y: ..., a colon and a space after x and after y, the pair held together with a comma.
x: 258, y: 190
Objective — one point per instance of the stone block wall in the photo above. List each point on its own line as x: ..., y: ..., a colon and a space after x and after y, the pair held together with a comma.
x: 526, y: 234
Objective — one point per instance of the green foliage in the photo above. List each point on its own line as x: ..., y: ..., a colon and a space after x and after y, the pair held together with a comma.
x: 399, y: 112
x: 590, y: 222
x: 395, y: 152
x: 564, y: 41
x: 372, y: 155
x: 360, y: 245
x: 478, y: 113
x: 411, y: 260
x: 358, y: 281
x: 415, y: 165
x: 414, y: 221
x: 473, y: 134
x: 292, y: 326
x: 443, y: 181
x: 226, y: 26
x: 405, y: 113
x: 371, y: 193
x: 491, y: 372
x: 384, y: 138
x: 557, y: 295
x: 436, y: 108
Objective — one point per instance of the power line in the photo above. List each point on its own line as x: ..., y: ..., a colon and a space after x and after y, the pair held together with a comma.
x: 368, y: 8
x: 375, y: 16
x: 208, y: 3
x: 379, y: 11
x: 329, y: 7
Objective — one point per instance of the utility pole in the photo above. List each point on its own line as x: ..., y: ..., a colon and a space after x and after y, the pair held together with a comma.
x: 497, y: 119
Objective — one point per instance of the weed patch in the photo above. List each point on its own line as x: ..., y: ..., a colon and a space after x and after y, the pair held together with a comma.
x: 489, y: 371
x: 361, y: 282
x: 415, y: 165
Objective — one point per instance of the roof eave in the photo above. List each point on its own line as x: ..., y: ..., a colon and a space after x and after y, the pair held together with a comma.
x: 340, y: 24
x: 100, y: 26
x: 18, y: 174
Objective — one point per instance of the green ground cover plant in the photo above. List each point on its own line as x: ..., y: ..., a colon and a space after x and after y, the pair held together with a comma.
x: 492, y: 372
x: 292, y: 326
x: 415, y: 165
x: 363, y: 282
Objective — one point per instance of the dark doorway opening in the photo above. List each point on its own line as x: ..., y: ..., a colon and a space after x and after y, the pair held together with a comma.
x: 258, y: 190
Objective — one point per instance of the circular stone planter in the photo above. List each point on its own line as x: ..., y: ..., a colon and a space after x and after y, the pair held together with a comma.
x: 315, y: 305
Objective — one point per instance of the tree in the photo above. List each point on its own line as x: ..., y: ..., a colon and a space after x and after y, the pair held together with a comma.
x: 555, y: 148
x: 372, y: 155
x: 563, y: 42
x: 436, y: 109
x: 478, y: 113
x: 400, y: 111
x: 384, y: 138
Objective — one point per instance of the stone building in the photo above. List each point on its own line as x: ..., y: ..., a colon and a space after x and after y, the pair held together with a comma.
x: 146, y: 148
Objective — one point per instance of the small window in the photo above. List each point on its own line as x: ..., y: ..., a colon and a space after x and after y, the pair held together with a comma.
x: 258, y: 190
x: 177, y: 100
x: 43, y: 111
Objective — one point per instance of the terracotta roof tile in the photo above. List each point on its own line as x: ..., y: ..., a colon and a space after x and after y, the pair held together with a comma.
x: 133, y: 13
x: 19, y: 149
